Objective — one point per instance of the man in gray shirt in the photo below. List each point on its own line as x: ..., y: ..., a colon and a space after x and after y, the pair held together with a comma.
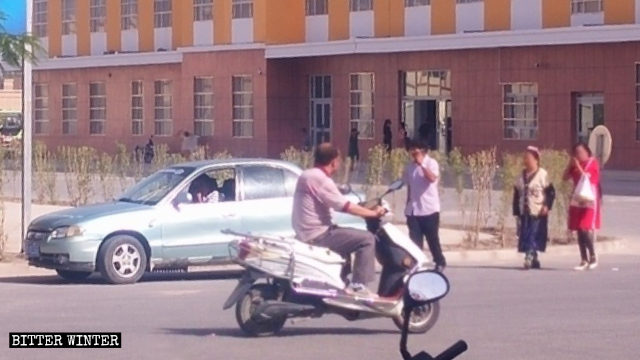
x: 315, y: 197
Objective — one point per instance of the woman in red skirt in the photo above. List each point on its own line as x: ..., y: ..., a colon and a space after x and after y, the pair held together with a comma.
x: 584, y: 216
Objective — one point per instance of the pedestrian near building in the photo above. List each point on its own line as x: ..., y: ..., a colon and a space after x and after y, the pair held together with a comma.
x: 533, y: 198
x: 387, y: 135
x: 423, y: 201
x: 354, y: 150
x: 585, y: 210
x: 189, y: 145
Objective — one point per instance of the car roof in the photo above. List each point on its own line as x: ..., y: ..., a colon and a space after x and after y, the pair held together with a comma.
x: 237, y: 161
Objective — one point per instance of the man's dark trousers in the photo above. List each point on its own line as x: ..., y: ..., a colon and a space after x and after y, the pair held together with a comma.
x: 427, y: 226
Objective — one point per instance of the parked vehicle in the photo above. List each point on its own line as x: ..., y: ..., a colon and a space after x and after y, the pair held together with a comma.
x: 170, y: 220
x: 286, y: 278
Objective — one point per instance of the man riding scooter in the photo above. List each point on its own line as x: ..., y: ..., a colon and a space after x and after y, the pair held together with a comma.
x: 315, y: 196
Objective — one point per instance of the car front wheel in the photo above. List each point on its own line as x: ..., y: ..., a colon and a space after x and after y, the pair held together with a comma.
x: 122, y: 260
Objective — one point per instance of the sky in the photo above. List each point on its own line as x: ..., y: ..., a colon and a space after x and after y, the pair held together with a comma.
x: 15, y: 12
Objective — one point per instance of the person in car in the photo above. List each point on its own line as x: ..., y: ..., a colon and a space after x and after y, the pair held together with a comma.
x: 315, y: 197
x: 204, y: 189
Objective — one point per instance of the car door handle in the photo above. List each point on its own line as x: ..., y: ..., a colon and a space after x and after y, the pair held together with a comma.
x: 230, y: 216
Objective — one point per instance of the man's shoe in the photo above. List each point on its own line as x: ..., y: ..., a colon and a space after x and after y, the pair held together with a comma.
x: 361, y: 291
x: 535, y: 264
x: 582, y: 267
x: 593, y: 263
x: 440, y: 268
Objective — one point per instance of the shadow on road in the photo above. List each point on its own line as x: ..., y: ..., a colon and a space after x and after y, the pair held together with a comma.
x: 287, y: 332
x: 501, y: 267
x: 97, y: 280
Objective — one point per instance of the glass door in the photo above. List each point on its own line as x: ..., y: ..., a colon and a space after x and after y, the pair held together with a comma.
x: 589, y: 114
x: 320, y: 109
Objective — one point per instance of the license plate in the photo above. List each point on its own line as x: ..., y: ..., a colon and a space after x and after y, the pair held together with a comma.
x: 33, y: 249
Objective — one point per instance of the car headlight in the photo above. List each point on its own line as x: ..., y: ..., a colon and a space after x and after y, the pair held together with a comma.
x: 67, y: 232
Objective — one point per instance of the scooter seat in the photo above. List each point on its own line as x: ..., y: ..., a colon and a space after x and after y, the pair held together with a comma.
x: 317, y: 253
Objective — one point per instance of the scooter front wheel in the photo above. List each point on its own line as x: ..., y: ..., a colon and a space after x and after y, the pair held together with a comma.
x: 245, y: 310
x: 423, y: 318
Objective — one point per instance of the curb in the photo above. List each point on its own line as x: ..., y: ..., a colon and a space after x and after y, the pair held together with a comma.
x: 511, y: 254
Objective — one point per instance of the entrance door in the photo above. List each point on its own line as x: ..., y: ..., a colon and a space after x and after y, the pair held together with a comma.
x: 320, y: 108
x: 589, y: 114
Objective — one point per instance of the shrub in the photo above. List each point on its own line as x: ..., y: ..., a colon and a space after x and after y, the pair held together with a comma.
x: 457, y: 166
x: 555, y: 162
x: 304, y: 159
x: 482, y: 166
x: 378, y: 159
x: 44, y: 164
x: 122, y: 164
x: 105, y: 173
x: 79, y: 165
x: 509, y: 172
x: 398, y: 160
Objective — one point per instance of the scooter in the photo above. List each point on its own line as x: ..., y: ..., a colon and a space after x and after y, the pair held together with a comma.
x: 422, y: 288
x: 286, y: 278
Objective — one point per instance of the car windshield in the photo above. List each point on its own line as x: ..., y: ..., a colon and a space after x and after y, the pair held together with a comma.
x: 155, y: 187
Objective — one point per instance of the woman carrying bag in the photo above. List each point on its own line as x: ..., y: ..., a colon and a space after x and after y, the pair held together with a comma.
x: 533, y: 198
x: 584, y: 211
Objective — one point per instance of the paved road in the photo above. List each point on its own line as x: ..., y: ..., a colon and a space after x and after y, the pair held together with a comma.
x: 503, y: 312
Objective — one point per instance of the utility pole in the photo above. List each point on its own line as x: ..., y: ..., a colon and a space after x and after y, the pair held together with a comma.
x: 27, y: 90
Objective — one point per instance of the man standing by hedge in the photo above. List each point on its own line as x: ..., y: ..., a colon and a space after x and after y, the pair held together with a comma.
x: 423, y: 200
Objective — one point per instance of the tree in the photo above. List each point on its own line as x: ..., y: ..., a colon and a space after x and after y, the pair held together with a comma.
x: 15, y: 49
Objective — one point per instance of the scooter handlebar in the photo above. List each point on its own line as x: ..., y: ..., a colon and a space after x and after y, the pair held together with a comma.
x: 454, y: 351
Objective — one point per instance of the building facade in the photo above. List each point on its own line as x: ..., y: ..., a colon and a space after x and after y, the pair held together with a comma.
x: 257, y: 76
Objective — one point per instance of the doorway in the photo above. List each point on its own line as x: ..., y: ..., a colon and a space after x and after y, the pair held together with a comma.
x: 589, y: 114
x: 426, y: 107
x: 320, y: 109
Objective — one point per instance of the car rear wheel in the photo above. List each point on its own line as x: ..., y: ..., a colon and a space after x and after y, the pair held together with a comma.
x: 122, y: 260
x: 73, y: 276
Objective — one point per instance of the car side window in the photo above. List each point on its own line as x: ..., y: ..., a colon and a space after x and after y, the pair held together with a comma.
x: 263, y: 182
x: 213, y: 186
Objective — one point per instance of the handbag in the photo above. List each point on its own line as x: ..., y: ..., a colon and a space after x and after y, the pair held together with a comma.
x: 584, y: 191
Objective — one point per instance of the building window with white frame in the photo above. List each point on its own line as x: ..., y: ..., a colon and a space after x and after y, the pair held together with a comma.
x: 638, y: 101
x: 242, y: 90
x: 98, y: 11
x: 202, y: 10
x: 520, y: 111
x: 362, y: 104
x: 414, y: 3
x: 467, y: 1
x: 316, y: 7
x: 163, y: 112
x: 69, y: 109
x: 361, y: 5
x: 40, y: 11
x: 203, y: 106
x: 129, y: 14
x: 586, y: 6
x: 162, y: 13
x: 40, y: 109
x: 68, y: 17
x: 97, y: 107
x: 242, y: 9
x: 137, y: 108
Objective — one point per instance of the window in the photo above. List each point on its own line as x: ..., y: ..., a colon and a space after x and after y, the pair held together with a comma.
x: 317, y: 7
x: 68, y: 17
x: 69, y: 103
x: 129, y: 14
x: 242, y: 89
x: 203, y: 106
x: 427, y: 83
x: 162, y: 108
x: 242, y: 9
x: 586, y: 6
x: 263, y: 182
x: 520, y: 111
x: 638, y: 101
x: 137, y: 108
x: 361, y: 5
x: 412, y: 3
x: 362, y: 90
x: 40, y: 18
x: 202, y: 10
x: 97, y: 107
x: 98, y: 11
x: 162, y: 13
x: 41, y: 109
x: 213, y: 186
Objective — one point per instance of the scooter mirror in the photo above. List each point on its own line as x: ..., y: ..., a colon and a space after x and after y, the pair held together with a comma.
x: 345, y: 189
x: 427, y: 286
x: 396, y: 185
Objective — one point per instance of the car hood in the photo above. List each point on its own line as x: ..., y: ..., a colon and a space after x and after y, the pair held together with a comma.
x: 83, y: 214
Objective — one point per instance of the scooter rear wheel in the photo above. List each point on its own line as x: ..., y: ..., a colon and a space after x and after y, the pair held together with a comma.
x: 422, y: 319
x: 245, y: 310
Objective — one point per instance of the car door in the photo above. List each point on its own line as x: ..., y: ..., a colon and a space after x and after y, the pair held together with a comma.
x: 191, y: 231
x: 267, y: 199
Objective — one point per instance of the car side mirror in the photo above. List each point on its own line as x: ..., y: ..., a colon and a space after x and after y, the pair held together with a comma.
x: 345, y: 189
